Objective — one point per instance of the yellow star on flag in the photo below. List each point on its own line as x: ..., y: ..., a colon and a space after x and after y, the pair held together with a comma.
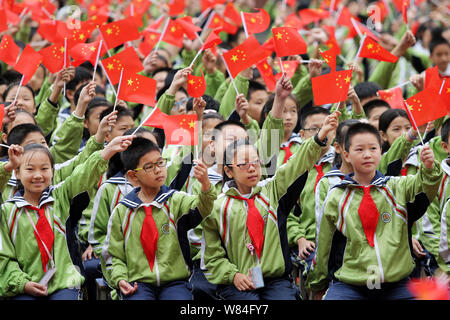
x: 110, y: 66
x: 347, y: 79
x: 130, y: 82
x: 109, y: 31
x: 191, y: 81
x: 191, y: 124
x: 234, y: 58
x: 279, y: 36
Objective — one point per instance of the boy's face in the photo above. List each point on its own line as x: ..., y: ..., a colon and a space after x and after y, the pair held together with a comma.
x: 154, y: 178
x: 446, y: 145
x: 375, y: 115
x: 364, y: 153
x: 123, y: 124
x: 312, y: 125
x: 441, y: 56
x: 93, y: 120
x: 229, y: 134
x: 256, y: 103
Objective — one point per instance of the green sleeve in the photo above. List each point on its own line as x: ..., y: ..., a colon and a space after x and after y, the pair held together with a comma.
x: 269, y: 141
x: 383, y: 73
x: 444, y: 253
x: 12, y: 278
x: 213, y: 82
x: 44, y: 92
x: 253, y: 125
x: 228, y: 103
x: 398, y: 151
x: 344, y: 112
x: 303, y: 91
x: 116, y: 248
x: 4, y: 176
x: 84, y: 178
x: 182, y: 202
x: 24, y: 33
x: 67, y: 139
x: 187, y: 56
x: 165, y: 103
x: 298, y: 75
x: 46, y: 116
x: 221, y: 91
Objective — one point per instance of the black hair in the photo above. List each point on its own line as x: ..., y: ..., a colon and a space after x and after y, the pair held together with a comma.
x: 11, y: 76
x: 367, y: 89
x: 98, y: 91
x: 218, y: 128
x: 18, y: 134
x: 445, y: 129
x: 268, y: 107
x: 213, y: 115
x: 5, y: 127
x: 94, y: 103
x: 138, y: 148
x: 254, y: 86
x: 115, y: 164
x: 81, y: 75
x: 358, y: 128
x: 121, y: 112
x: 369, y: 106
x: 340, y: 136
x: 88, y: 66
x: 437, y: 41
x: 385, y: 121
x: 211, y: 103
x: 16, y: 84
x: 230, y: 152
x: 312, y: 111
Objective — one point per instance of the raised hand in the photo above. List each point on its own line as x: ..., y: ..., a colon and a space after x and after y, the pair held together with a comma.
x: 209, y: 61
x: 427, y: 157
x: 15, y: 153
x: 118, y: 144
x: 198, y: 105
x: 242, y: 108
x: 105, y: 126
x: 201, y: 174
x: 179, y: 80
x: 284, y: 87
x: 330, y: 124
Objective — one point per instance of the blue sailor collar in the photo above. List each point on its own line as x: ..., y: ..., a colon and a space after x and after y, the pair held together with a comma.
x: 328, y: 157
x: 295, y: 137
x: 132, y: 201
x: 214, y: 176
x: 378, y: 180
x: 20, y: 201
x: 118, y: 178
x: 334, y: 172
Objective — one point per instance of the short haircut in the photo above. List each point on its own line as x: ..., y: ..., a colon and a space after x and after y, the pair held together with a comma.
x: 217, y: 132
x: 211, y: 103
x: 437, y: 42
x: 310, y: 112
x: 359, y: 128
x: 96, y: 102
x: 213, y: 115
x: 18, y: 134
x: 445, y: 130
x: 254, y: 86
x: 372, y: 104
x: 81, y: 75
x: 121, y: 112
x: 138, y: 148
x: 388, y: 116
x: 367, y: 89
x: 18, y: 111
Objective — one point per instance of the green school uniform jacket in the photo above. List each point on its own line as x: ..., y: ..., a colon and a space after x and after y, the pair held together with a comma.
x: 20, y: 258
x: 225, y: 234
x: 444, y: 253
x: 390, y: 258
x: 123, y: 252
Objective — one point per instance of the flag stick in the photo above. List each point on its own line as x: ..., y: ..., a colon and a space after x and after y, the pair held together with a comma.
x: 281, y: 65
x: 203, y: 15
x: 4, y: 145
x: 146, y: 118
x: 106, y: 47
x: 196, y: 56
x: 359, y: 50
x: 18, y: 89
x: 96, y: 60
x: 104, y: 70
x: 442, y: 86
x: 229, y: 73
x: 243, y: 24
x: 414, y: 122
x: 118, y: 90
x: 162, y: 34
x: 402, y: 84
x: 65, y: 63
x: 199, y: 38
x: 208, y: 22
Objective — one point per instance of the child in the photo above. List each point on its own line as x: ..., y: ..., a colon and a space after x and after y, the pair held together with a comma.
x: 33, y: 225
x: 377, y: 258
x: 374, y: 109
x: 148, y: 238
x: 392, y: 124
x: 234, y: 248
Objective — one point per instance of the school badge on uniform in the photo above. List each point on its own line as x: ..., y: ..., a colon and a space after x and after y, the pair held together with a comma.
x: 386, y: 217
x: 165, y: 228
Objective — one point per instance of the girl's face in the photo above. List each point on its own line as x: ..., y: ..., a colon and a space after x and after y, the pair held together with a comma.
x: 180, y: 103
x: 93, y: 120
x: 398, y: 126
x: 123, y: 124
x: 441, y: 56
x: 35, y: 171
x: 290, y: 117
x: 34, y: 137
x: 25, y: 99
x: 245, y: 169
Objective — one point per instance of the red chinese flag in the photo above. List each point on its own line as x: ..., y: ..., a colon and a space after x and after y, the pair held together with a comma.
x: 87, y: 52
x: 37, y: 9
x: 364, y: 30
x: 74, y: 36
x: 381, y: 9
x: 429, y: 289
x: 137, y: 8
x: 331, y: 87
x: 266, y: 72
x: 269, y: 45
x: 174, y: 34
x: 212, y: 40
x: 3, y: 20
x: 148, y: 43
x: 443, y: 90
x: 308, y: 16
x: 176, y: 7
x: 216, y: 22
x: 53, y: 57
x: 293, y: 21
x: 289, y: 68
x: 28, y: 63
x: 137, y: 88
x: 432, y: 77
x: 372, y: 50
x: 232, y: 14
x: 392, y: 96
x: 405, y: 7
x: 126, y: 59
x: 2, y: 113
x: 119, y: 32
x: 256, y: 22
x: 156, y: 119
x: 245, y: 55
x: 181, y: 129
x: 196, y: 85
x: 189, y: 28
x: 332, y: 41
x: 9, y: 51
x: 48, y: 30
x: 329, y: 57
x: 426, y: 106
x: 288, y: 42
x: 345, y: 19
x: 205, y: 4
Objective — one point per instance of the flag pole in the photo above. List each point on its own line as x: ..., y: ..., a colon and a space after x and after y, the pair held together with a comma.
x: 281, y: 65
x: 112, y: 86
x: 442, y: 86
x: 118, y: 90
x: 208, y: 22
x: 106, y: 47
x: 96, y: 60
x: 414, y: 122
x: 162, y: 34
x: 243, y: 24
x: 196, y: 56
x: 229, y: 73
x: 65, y: 64
x: 146, y: 118
x: 18, y: 89
x: 4, y: 145
x: 359, y: 50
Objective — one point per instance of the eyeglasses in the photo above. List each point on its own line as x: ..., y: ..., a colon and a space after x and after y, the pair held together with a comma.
x: 314, y: 129
x: 180, y: 103
x: 246, y: 166
x: 152, y: 165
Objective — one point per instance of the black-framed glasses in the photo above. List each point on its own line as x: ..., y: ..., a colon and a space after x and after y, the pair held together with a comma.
x: 314, y: 129
x: 149, y: 167
x: 246, y: 166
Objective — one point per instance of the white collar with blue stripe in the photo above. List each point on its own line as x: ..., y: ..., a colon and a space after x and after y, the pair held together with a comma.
x: 118, y: 178
x: 20, y: 201
x: 334, y: 172
x: 378, y: 180
x: 295, y: 137
x: 132, y: 201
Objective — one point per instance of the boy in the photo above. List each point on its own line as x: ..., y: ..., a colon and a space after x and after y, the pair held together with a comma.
x: 366, y: 212
x: 374, y: 109
x: 152, y: 213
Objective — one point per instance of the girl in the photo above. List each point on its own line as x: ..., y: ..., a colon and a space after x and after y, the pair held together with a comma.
x: 25, y: 97
x: 34, y: 257
x: 245, y: 255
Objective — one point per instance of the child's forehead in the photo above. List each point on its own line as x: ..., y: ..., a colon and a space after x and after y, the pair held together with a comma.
x: 364, y: 138
x: 150, y: 156
x: 246, y: 151
x: 35, y: 157
x: 125, y: 119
